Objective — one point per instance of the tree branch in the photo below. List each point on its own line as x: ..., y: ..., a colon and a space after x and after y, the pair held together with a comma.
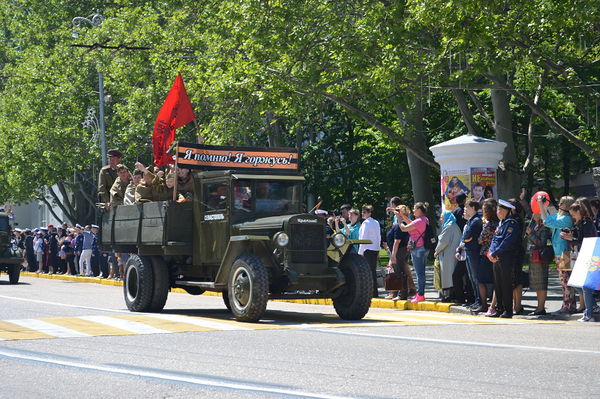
x: 547, y: 118
x: 42, y: 198
x: 423, y: 156
x: 60, y: 205
x: 530, y: 142
x: 466, y: 113
x: 481, y: 110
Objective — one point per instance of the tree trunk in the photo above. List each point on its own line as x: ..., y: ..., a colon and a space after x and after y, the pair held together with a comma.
x: 466, y: 113
x: 274, y: 131
x: 411, y: 122
x: 508, y: 178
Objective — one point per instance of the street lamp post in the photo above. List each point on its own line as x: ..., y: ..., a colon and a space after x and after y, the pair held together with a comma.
x: 96, y: 21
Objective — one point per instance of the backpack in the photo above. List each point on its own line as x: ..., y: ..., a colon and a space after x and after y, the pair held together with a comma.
x: 430, y: 241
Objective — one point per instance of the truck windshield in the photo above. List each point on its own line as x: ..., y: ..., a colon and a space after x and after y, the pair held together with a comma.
x: 264, y: 196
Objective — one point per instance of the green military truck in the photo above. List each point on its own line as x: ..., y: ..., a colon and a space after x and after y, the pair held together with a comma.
x: 12, y: 256
x: 241, y: 233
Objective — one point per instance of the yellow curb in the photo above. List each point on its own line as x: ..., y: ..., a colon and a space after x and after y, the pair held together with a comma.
x: 375, y: 303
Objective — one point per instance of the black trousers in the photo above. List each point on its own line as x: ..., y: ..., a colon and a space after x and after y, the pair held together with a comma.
x: 371, y: 258
x: 104, y: 269
x: 461, y: 283
x: 95, y: 263
x: 502, y: 282
x: 32, y: 265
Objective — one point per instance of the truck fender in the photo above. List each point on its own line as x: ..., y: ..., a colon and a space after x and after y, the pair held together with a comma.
x: 237, y: 245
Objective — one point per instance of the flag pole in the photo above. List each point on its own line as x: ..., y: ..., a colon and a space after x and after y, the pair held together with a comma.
x: 175, y: 196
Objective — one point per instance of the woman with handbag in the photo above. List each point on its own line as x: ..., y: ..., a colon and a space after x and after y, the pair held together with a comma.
x: 397, y: 241
x: 416, y: 228
x: 448, y: 241
x: 583, y: 227
x: 538, y: 235
x: 557, y: 222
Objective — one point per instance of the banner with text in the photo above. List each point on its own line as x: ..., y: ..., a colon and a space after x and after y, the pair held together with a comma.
x: 210, y: 157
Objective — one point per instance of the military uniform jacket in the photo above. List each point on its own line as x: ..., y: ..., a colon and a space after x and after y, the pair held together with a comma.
x: 505, y: 237
x: 144, y: 193
x: 117, y: 192
x: 185, y: 186
x: 106, y: 179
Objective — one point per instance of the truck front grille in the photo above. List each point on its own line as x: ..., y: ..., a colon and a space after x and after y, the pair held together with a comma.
x: 307, y: 243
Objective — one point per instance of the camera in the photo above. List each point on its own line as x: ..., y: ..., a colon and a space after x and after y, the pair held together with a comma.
x: 336, y: 212
x: 544, y: 199
x: 566, y: 230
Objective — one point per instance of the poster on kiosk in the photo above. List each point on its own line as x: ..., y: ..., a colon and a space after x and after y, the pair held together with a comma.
x: 477, y: 183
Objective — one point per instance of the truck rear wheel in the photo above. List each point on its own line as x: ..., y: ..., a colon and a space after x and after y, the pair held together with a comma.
x: 138, y: 283
x: 354, y: 301
x: 248, y: 288
x: 14, y: 271
x: 161, y: 284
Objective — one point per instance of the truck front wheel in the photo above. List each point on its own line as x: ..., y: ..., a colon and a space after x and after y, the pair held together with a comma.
x: 14, y: 271
x: 354, y: 301
x: 138, y: 284
x: 248, y: 288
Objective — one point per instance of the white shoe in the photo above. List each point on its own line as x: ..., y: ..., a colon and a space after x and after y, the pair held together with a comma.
x: 586, y: 319
x: 389, y: 296
x: 396, y: 298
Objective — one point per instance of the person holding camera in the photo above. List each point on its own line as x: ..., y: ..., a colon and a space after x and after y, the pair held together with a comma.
x: 416, y: 228
x: 582, y: 228
x: 351, y: 229
x: 557, y: 222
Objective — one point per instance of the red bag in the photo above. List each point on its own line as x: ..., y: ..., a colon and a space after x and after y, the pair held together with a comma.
x: 536, y: 256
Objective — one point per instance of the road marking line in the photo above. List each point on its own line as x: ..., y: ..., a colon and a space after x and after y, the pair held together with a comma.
x: 163, y: 324
x: 166, y: 376
x: 126, y: 325
x: 64, y: 304
x: 10, y: 331
x: 463, y: 343
x: 215, y: 325
x: 49, y: 328
x: 88, y: 327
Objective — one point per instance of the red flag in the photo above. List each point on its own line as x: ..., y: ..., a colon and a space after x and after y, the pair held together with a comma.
x: 176, y: 112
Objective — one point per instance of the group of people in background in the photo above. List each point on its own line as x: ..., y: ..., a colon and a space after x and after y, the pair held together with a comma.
x: 63, y: 249
x: 482, y: 247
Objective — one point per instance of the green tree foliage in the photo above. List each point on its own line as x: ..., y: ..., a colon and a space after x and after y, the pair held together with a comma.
x: 259, y: 69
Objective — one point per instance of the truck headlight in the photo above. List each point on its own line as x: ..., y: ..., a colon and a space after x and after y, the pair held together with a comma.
x: 339, y: 240
x: 281, y: 239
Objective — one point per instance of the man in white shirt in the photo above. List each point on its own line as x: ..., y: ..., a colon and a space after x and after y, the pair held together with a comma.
x: 370, y: 230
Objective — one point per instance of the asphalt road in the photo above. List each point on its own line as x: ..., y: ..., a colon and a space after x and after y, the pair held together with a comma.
x: 195, y: 349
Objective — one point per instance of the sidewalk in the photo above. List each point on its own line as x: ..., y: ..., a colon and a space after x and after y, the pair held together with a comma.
x: 431, y: 304
x: 529, y: 300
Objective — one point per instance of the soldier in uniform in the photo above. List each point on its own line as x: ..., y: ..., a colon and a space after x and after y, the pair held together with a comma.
x: 501, y: 254
x: 117, y: 191
x: 108, y: 175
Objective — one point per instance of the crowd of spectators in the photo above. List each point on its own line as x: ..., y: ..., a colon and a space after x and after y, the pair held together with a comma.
x: 482, y: 246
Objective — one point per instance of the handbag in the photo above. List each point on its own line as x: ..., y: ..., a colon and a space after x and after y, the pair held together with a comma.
x: 547, y: 254
x: 564, y: 263
x: 437, y: 275
x: 536, y: 256
x: 395, y: 281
